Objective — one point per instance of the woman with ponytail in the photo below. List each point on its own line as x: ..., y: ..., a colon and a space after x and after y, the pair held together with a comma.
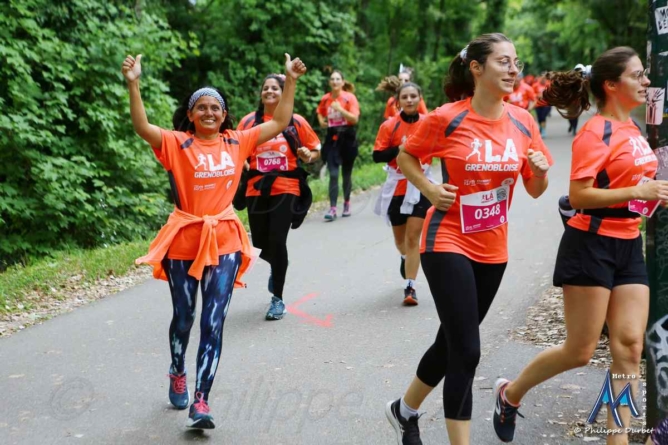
x: 600, y: 262
x: 339, y: 112
x: 203, y: 242
x: 276, y: 185
x: 391, y: 85
x: 486, y: 146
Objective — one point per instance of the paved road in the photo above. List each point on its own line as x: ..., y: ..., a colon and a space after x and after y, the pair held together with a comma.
x: 320, y: 376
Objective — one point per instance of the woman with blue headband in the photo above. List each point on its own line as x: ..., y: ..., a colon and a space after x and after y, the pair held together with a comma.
x: 203, y: 243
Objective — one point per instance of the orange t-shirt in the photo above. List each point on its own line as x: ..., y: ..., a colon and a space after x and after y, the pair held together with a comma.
x: 335, y: 119
x: 484, y: 158
x: 393, y: 133
x: 538, y: 89
x: 522, y: 96
x: 205, y: 174
x: 392, y: 109
x: 276, y: 154
x: 615, y: 155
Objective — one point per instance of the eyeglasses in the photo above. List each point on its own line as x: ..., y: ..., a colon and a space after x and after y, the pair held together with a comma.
x: 640, y: 75
x: 507, y: 64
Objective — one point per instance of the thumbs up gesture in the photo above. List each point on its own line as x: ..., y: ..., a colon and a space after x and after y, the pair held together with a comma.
x: 131, y: 68
x: 538, y: 163
x: 294, y: 68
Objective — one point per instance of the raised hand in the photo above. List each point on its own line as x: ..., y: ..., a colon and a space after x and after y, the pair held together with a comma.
x: 131, y: 68
x: 294, y: 68
x: 538, y: 163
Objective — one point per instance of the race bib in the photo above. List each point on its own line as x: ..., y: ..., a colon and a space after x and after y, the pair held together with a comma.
x: 335, y: 118
x: 644, y: 208
x: 484, y: 210
x: 270, y: 161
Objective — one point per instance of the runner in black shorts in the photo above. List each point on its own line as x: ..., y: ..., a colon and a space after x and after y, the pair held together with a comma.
x: 401, y: 203
x: 600, y: 260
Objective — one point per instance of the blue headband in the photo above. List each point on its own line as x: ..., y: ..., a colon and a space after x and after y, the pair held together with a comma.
x: 206, y: 91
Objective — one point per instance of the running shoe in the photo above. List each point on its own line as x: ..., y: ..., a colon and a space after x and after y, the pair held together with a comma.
x: 408, y: 432
x: 346, y: 209
x: 410, y: 297
x: 178, y: 390
x: 505, y: 414
x: 402, y: 268
x: 331, y: 214
x: 276, y: 309
x: 199, y: 416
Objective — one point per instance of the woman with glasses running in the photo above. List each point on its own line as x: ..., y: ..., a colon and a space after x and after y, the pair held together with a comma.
x: 600, y: 262
x: 486, y: 146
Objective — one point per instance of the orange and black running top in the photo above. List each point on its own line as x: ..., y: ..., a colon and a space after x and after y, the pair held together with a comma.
x: 393, y: 133
x: 484, y: 159
x: 275, y: 154
x: 348, y: 102
x: 204, y: 175
x: 392, y: 109
x: 615, y: 155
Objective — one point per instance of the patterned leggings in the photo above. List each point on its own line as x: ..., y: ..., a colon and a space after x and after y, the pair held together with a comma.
x: 217, y: 284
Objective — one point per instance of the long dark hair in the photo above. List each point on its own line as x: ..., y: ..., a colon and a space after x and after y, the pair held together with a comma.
x: 259, y: 114
x: 569, y: 90
x: 181, y: 122
x: 459, y: 83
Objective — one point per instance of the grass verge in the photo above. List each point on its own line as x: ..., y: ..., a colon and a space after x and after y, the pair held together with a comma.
x: 23, y: 287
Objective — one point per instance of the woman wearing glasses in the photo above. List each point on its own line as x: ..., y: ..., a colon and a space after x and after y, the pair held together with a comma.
x: 600, y: 261
x: 485, y: 146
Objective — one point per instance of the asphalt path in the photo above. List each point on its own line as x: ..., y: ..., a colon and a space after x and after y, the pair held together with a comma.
x: 322, y: 375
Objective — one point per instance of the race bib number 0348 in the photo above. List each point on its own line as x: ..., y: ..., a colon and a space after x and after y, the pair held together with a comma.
x: 484, y: 210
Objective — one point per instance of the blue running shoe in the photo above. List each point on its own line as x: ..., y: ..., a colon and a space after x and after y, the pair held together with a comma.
x: 178, y: 390
x: 276, y: 309
x: 199, y: 416
x: 504, y: 413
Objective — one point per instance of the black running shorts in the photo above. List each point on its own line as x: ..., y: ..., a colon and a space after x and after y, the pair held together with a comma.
x: 588, y: 259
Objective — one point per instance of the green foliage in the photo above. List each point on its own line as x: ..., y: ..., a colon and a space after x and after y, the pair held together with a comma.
x: 72, y: 171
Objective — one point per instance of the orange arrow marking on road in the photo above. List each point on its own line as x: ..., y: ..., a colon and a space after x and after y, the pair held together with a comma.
x: 292, y: 308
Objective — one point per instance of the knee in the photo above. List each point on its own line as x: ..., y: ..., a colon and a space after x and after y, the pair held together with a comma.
x: 412, y: 241
x: 465, y: 360
x: 579, y: 355
x: 627, y: 349
x: 184, y: 323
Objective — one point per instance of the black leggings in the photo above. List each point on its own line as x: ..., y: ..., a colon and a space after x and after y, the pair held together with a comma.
x: 463, y: 291
x: 347, y: 168
x: 270, y: 219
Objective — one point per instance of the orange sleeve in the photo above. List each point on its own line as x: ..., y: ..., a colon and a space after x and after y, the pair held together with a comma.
x: 590, y: 154
x: 422, y: 107
x: 428, y: 140
x: 322, y: 106
x: 390, y: 108
x: 531, y: 93
x: 352, y: 106
x: 247, y: 141
x: 307, y: 136
x: 383, y: 137
x: 247, y: 122
x: 169, y: 143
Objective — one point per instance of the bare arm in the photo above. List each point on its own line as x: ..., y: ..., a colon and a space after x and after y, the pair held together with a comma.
x: 583, y: 195
x: 441, y: 196
x: 322, y: 120
x: 131, y: 70
x: 535, y: 186
x: 293, y: 70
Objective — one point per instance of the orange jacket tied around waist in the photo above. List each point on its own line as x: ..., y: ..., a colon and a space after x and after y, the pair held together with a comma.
x: 207, y: 254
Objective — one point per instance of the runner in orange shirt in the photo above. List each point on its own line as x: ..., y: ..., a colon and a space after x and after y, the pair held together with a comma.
x: 600, y: 262
x: 542, y: 108
x: 391, y: 84
x: 400, y: 203
x: 339, y: 112
x: 275, y: 186
x: 203, y: 242
x: 486, y: 146
x: 522, y: 96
